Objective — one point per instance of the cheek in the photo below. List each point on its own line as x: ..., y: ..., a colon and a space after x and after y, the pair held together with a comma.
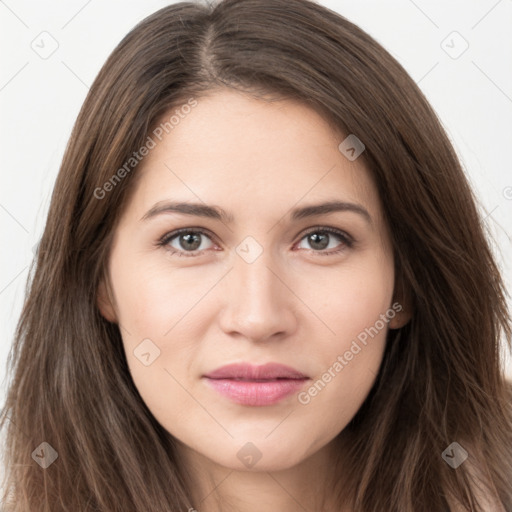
x: 350, y: 298
x: 158, y: 339
x: 347, y: 367
x: 157, y: 312
x: 348, y: 361
x: 152, y: 296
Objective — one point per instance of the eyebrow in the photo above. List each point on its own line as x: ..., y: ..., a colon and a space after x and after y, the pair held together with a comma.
x: 217, y: 213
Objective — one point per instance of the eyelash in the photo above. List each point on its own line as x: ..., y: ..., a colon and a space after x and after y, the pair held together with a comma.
x: 347, y: 241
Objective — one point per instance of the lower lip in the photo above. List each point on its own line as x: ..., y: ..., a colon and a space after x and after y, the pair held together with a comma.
x: 256, y: 392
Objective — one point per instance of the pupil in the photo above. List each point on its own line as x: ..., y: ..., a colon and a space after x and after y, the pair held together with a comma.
x: 315, y: 237
x: 187, y: 238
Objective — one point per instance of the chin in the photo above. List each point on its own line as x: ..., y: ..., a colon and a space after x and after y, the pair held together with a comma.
x: 255, y: 454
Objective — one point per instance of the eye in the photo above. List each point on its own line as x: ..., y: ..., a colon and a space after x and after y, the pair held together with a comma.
x: 319, y: 239
x: 188, y: 240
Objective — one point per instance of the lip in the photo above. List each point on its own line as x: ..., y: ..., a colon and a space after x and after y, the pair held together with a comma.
x: 247, y: 371
x: 247, y: 384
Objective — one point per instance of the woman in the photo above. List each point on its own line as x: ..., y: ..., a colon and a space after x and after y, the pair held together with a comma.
x: 330, y: 338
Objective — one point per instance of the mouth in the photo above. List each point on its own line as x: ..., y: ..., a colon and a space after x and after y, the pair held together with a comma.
x: 245, y: 384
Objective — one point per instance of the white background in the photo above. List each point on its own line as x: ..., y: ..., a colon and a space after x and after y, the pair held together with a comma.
x: 40, y: 99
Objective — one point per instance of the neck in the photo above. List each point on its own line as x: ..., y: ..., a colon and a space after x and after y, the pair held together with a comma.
x: 308, y: 485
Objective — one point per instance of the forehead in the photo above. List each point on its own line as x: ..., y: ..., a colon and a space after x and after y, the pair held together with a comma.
x: 246, y: 153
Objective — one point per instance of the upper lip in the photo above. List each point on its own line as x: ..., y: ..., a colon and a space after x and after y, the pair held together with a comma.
x: 248, y: 371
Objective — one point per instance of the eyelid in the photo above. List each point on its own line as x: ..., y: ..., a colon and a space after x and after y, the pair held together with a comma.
x: 328, y: 229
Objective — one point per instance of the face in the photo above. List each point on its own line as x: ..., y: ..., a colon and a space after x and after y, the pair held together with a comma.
x: 271, y: 280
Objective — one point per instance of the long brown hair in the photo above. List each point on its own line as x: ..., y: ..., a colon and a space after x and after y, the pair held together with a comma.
x: 441, y: 380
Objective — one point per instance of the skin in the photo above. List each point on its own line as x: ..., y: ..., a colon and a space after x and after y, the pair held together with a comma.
x: 292, y: 305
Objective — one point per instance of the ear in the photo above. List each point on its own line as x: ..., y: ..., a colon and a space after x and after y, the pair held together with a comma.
x: 401, y: 317
x: 402, y: 305
x: 105, y: 303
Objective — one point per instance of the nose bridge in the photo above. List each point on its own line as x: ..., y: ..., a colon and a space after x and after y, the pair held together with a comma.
x: 257, y: 302
x: 256, y: 280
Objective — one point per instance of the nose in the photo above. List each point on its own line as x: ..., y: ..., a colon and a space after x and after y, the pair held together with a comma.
x: 258, y: 303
